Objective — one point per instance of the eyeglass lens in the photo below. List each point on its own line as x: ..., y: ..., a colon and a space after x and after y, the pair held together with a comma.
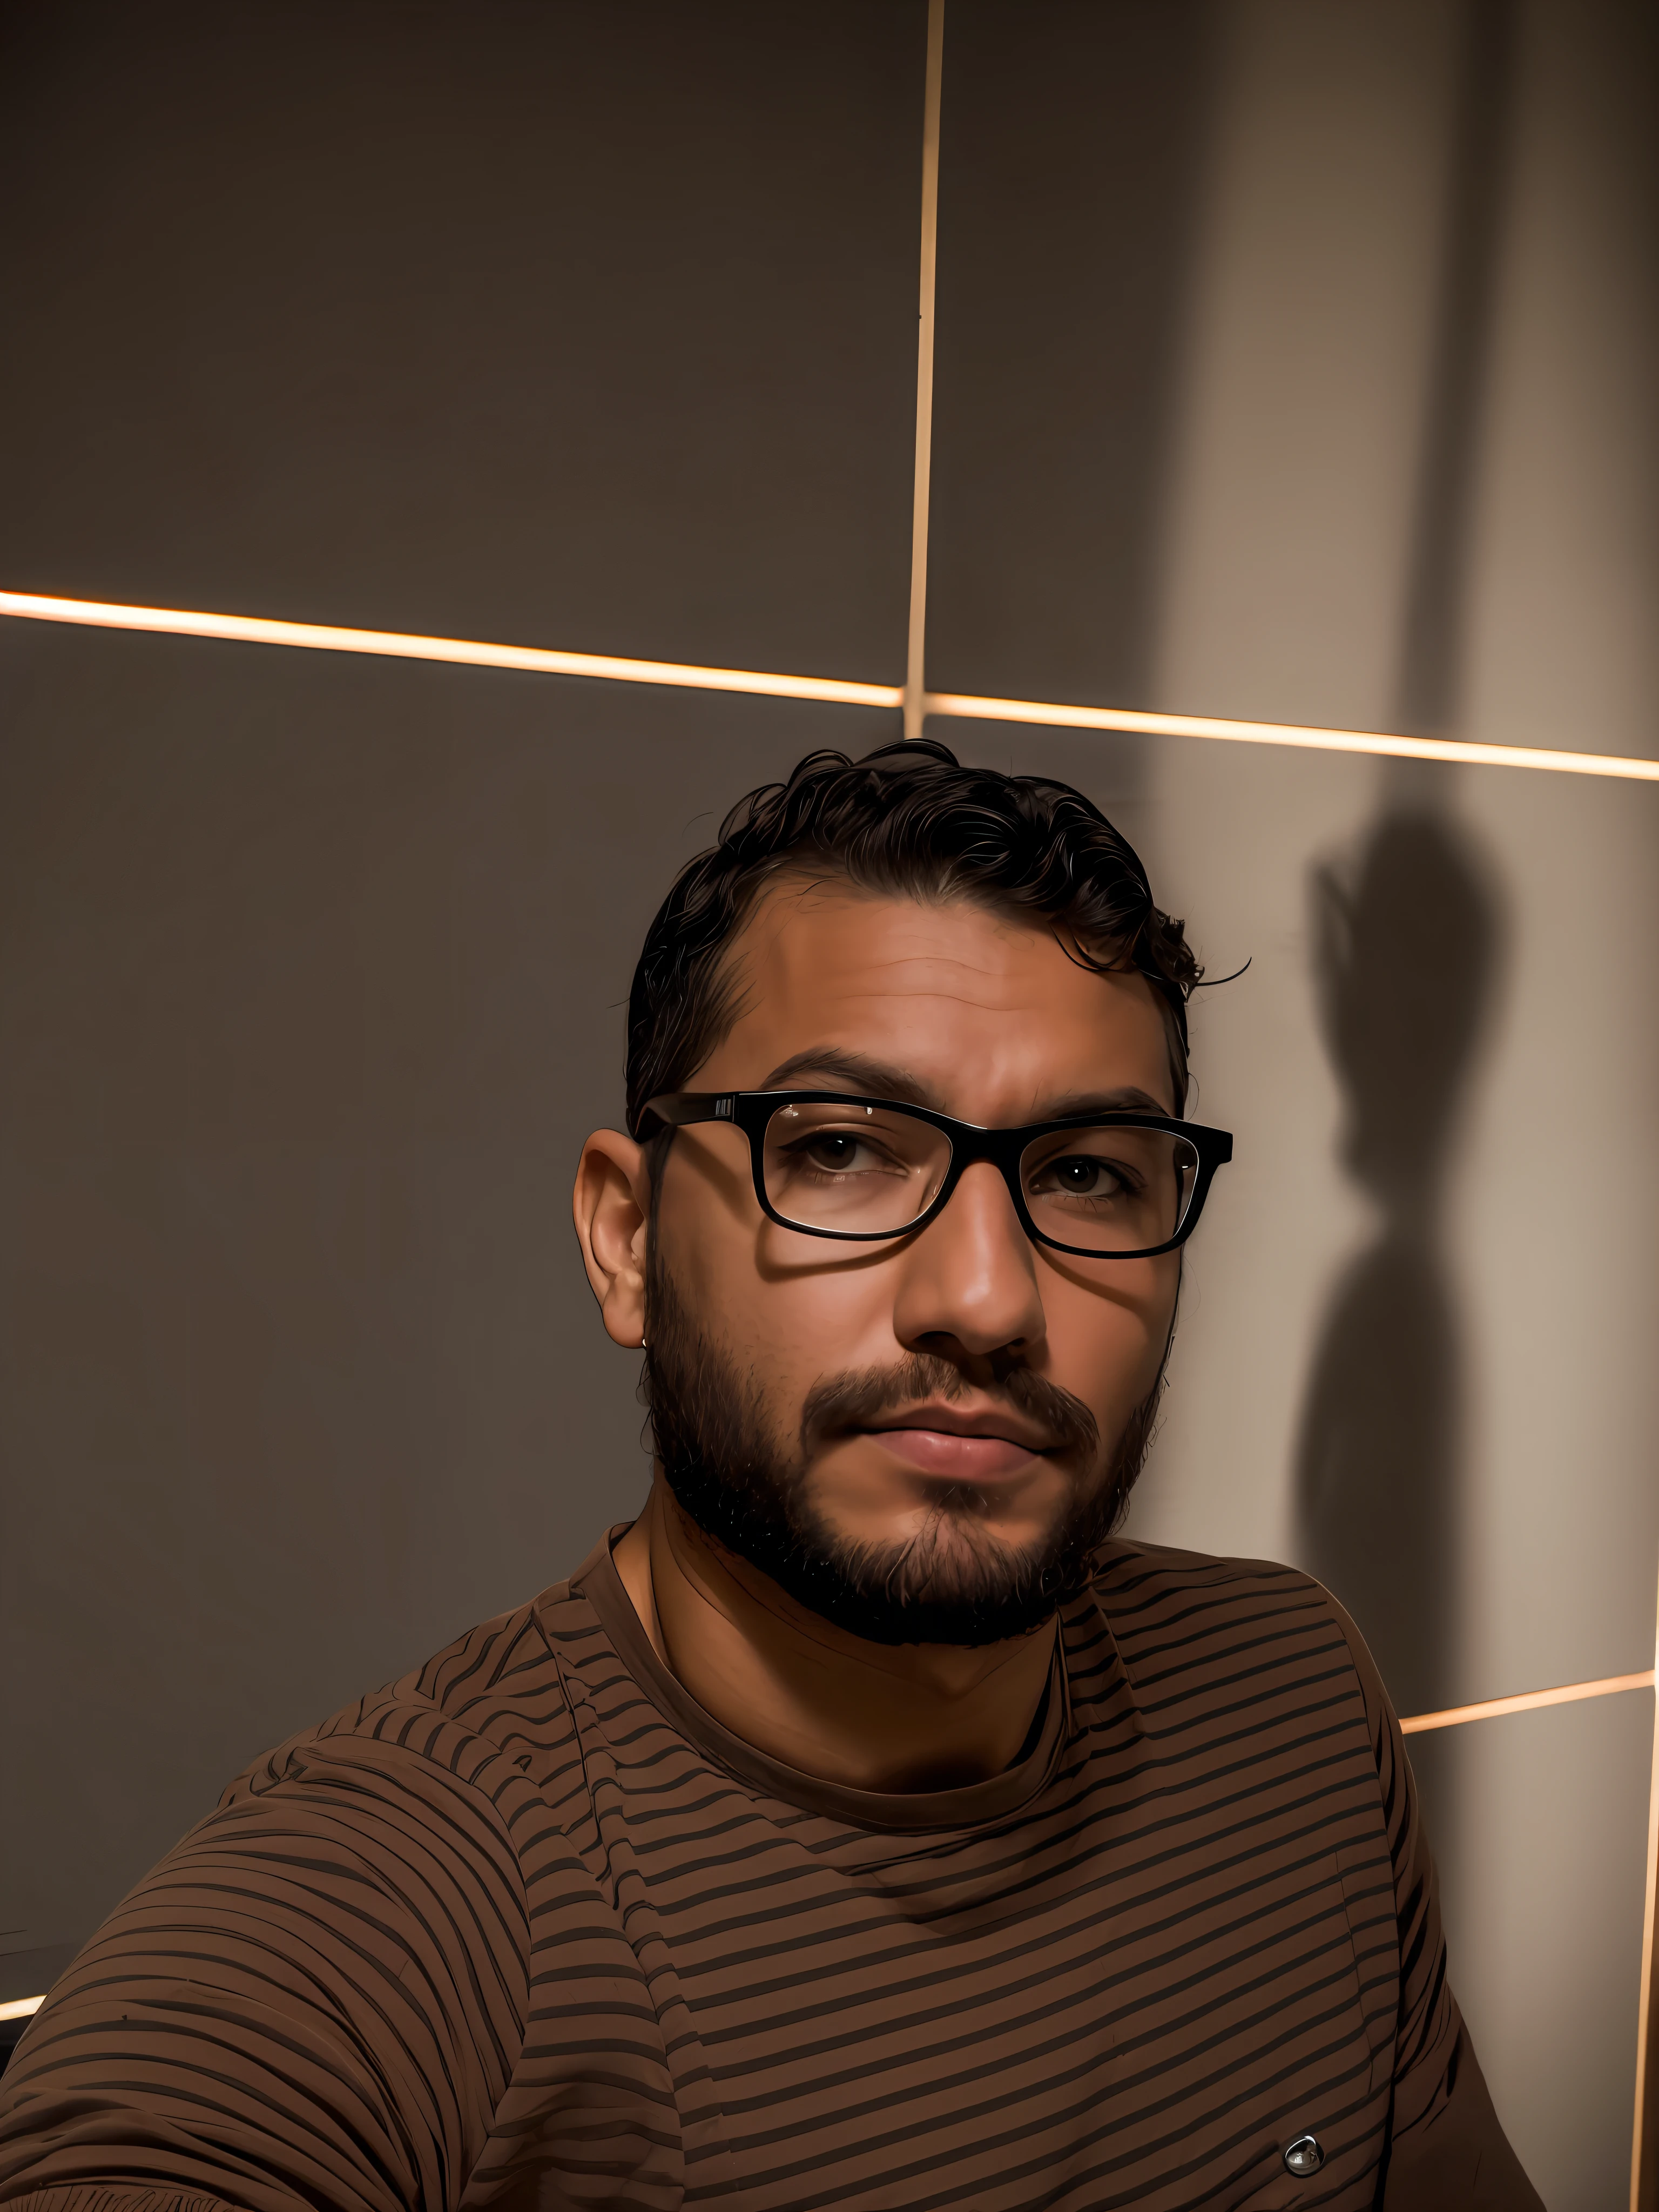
x: 873, y: 1171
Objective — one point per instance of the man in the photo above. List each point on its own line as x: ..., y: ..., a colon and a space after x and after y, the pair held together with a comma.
x: 865, y: 1825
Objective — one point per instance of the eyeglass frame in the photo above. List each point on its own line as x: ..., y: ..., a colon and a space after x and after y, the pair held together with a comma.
x: 752, y: 1111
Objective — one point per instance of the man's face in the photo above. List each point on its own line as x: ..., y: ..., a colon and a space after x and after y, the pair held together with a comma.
x: 932, y: 1429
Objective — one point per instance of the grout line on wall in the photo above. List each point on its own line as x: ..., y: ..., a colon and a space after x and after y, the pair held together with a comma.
x: 469, y: 653
x: 915, y: 657
x: 1528, y: 1701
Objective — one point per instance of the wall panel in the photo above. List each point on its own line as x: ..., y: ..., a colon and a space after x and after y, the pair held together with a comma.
x: 470, y: 321
x: 312, y: 976
x: 1074, y: 152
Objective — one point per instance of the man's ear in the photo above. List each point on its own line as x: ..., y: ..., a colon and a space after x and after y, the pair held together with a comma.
x: 611, y: 1204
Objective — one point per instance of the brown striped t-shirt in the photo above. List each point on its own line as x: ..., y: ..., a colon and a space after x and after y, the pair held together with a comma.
x: 530, y: 1930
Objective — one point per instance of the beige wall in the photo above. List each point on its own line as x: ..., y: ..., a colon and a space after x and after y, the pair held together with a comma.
x: 1288, y: 578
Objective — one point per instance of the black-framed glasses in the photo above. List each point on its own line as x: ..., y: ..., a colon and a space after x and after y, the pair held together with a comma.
x: 1119, y: 1186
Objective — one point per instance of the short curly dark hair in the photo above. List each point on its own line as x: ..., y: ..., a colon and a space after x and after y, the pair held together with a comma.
x: 908, y: 820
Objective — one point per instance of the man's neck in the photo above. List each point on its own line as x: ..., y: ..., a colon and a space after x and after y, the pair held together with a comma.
x: 866, y: 1716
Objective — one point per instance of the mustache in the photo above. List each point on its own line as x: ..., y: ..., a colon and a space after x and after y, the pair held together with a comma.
x: 858, y: 1396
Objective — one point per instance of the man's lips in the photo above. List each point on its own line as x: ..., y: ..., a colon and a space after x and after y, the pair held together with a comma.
x: 961, y: 1448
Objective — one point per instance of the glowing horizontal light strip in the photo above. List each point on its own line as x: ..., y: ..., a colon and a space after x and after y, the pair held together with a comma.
x: 323, y: 637
x: 1528, y: 1702
x: 20, y: 2007
x: 1287, y: 733
x: 253, y: 629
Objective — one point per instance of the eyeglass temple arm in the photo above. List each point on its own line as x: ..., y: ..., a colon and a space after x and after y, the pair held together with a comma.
x: 678, y: 1110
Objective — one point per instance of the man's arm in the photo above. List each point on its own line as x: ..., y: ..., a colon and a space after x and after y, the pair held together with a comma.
x: 316, y: 1999
x: 1458, y: 2159
x: 1446, y: 2150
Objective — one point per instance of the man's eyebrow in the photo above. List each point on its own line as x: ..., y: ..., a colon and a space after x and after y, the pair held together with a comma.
x: 1126, y: 1098
x: 874, y: 1078
x: 878, y: 1078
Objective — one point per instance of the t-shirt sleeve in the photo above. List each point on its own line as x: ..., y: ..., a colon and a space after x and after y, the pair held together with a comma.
x: 316, y: 2000
x: 1447, y: 2151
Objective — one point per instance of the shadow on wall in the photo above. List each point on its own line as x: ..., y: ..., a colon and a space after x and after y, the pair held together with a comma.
x: 1407, y: 945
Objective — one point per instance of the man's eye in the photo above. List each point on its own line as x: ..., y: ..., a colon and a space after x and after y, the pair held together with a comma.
x: 832, y: 1152
x: 1080, y: 1176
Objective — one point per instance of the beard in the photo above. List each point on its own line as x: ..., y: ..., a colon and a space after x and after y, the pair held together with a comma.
x: 952, y: 1582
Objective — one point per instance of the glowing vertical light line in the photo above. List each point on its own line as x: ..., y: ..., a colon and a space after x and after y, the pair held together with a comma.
x: 1644, y: 2053
x: 916, y: 660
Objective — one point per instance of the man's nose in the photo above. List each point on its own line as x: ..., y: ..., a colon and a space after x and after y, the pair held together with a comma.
x: 971, y: 1275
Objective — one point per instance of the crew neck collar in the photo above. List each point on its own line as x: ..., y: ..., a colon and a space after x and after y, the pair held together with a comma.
x: 977, y: 1805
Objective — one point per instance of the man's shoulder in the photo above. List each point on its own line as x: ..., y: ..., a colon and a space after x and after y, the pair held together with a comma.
x: 1134, y: 1572
x: 497, y: 1692
x: 1202, y: 1610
